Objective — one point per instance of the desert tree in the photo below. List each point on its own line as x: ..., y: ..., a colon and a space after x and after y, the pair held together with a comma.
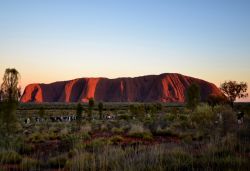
x: 90, y: 107
x: 10, y: 91
x: 1, y: 95
x: 100, y: 108
x: 41, y: 112
x: 214, y: 100
x: 137, y: 110
x: 10, y: 94
x: 79, y: 110
x: 193, y: 96
x: 233, y: 90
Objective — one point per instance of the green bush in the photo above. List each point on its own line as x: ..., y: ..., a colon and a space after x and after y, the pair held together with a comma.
x: 203, y: 114
x: 182, y: 117
x: 97, y: 143
x: 104, y: 127
x: 164, y: 131
x: 116, y: 139
x: 86, y: 128
x: 39, y: 137
x: 124, y: 116
x: 85, y: 136
x: 138, y: 131
x: 69, y: 141
x: 116, y: 130
x: 169, y: 117
x: 72, y: 153
x: 229, y: 121
x: 204, y: 119
x: 144, y: 135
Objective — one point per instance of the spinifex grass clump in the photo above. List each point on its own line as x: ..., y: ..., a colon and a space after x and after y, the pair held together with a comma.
x: 138, y: 131
x: 30, y: 164
x: 10, y: 157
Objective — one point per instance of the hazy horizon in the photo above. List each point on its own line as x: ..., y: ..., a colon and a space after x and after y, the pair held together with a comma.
x: 48, y: 41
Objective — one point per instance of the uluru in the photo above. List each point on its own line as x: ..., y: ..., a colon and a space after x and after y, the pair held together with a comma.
x: 167, y: 87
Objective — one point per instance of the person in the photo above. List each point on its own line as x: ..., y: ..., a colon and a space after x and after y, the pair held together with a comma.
x: 27, y: 121
x: 240, y: 117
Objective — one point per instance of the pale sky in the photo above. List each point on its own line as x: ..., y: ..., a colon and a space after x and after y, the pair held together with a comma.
x: 49, y: 41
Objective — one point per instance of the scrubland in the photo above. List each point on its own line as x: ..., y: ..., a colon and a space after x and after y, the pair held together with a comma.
x: 133, y: 137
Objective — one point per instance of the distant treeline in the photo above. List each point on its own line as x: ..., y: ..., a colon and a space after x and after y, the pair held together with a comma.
x: 108, y: 105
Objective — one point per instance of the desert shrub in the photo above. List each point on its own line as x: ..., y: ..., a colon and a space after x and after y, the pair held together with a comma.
x: 116, y: 130
x: 74, y: 128
x: 11, y: 142
x: 95, y: 125
x: 69, y: 141
x: 150, y: 108
x: 36, y: 137
x: 204, y: 118
x: 137, y: 111
x: 87, y: 127
x: 39, y: 137
x: 72, y: 153
x: 136, y: 127
x: 10, y: 157
x: 182, y: 124
x: 84, y: 136
x: 183, y: 117
x: 30, y: 164
x: 187, y: 138
x: 229, y: 121
x: 193, y: 96
x: 167, y: 131
x: 198, y: 135
x: 153, y: 125
x: 169, y: 117
x: 203, y: 114
x: 173, y: 110
x: 124, y: 117
x: 79, y: 110
x: 138, y: 131
x: 221, y: 108
x: 116, y: 139
x: 104, y: 127
x: 51, y: 136
x: 64, y: 131
x: 97, y: 143
x: 144, y: 135
x: 57, y: 162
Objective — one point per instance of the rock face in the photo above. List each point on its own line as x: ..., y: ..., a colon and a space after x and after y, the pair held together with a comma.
x: 166, y: 87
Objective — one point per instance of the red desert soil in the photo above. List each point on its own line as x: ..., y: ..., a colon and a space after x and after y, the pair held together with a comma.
x: 166, y: 87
